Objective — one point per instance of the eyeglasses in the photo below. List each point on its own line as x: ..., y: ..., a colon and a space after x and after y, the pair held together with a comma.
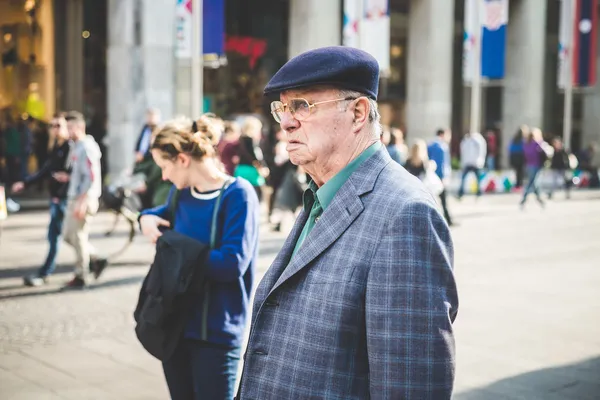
x: 299, y: 108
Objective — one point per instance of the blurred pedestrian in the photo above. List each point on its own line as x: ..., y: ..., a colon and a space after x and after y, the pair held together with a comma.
x: 535, y: 157
x: 516, y: 155
x: 85, y: 188
x: 492, y: 149
x: 472, y: 158
x: 251, y: 164
x: 364, y: 282
x: 142, y: 146
x: 588, y: 163
x: 397, y: 139
x: 228, y: 146
x: 57, y: 170
x: 389, y: 141
x: 439, y: 151
x: 205, y: 362
x: 560, y: 169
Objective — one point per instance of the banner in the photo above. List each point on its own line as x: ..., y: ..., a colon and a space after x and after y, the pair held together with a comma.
x: 183, y: 26
x: 367, y: 27
x: 585, y: 49
x: 472, y: 23
x: 213, y: 28
x: 491, y: 23
x: 493, y: 43
x: 564, y: 43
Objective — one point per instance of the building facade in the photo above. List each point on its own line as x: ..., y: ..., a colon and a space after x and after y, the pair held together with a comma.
x: 113, y: 59
x: 424, y: 88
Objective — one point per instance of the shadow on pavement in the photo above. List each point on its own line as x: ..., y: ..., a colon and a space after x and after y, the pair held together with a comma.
x: 19, y: 272
x: 36, y: 292
x: 574, y: 381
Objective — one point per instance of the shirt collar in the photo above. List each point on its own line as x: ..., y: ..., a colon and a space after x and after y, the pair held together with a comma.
x: 325, y: 194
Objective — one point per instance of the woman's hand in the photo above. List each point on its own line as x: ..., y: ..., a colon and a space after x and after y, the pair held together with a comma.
x: 150, y: 225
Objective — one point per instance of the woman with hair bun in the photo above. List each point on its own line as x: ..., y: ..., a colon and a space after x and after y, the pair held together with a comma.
x: 206, y: 360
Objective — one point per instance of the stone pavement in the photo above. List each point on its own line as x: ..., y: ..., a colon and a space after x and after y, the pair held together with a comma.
x: 527, y: 325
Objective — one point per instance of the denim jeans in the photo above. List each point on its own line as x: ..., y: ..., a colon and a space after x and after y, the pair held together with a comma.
x: 202, y: 370
x: 57, y: 215
x: 463, y: 179
x: 532, y: 174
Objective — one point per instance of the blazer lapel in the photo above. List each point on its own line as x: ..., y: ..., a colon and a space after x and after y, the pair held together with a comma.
x: 283, y: 257
x: 341, y: 213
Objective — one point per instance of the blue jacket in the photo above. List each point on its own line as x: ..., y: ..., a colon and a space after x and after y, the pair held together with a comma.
x: 439, y: 152
x: 221, y: 311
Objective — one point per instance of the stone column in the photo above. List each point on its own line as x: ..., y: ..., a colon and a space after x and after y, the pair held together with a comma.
x: 313, y: 24
x: 74, y: 56
x: 523, y: 101
x: 430, y: 48
x: 140, y: 72
x: 591, y: 107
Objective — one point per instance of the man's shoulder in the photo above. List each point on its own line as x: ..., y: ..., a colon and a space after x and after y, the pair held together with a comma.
x: 397, y: 187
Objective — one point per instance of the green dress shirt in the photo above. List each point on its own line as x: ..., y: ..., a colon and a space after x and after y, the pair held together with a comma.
x: 318, y: 199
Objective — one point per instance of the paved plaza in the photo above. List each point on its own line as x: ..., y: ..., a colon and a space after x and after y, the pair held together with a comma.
x: 528, y: 324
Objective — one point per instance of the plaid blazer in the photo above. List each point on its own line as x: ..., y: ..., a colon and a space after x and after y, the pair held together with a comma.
x: 365, y: 308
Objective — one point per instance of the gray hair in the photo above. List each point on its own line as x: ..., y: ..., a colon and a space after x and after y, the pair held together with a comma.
x: 374, y: 116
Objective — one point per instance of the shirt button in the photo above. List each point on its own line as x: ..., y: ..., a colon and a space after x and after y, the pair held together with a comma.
x: 317, y: 219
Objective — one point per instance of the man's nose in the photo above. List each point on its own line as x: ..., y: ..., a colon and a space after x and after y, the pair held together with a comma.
x: 288, y: 122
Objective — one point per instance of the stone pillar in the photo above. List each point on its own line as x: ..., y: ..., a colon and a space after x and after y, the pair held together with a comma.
x: 74, y: 56
x: 314, y: 24
x: 591, y: 107
x: 140, y: 72
x: 523, y: 101
x: 430, y: 48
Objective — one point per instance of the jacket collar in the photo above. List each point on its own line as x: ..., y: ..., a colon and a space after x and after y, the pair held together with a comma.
x: 345, y: 207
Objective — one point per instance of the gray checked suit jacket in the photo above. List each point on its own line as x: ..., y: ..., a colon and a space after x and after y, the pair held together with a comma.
x: 365, y: 308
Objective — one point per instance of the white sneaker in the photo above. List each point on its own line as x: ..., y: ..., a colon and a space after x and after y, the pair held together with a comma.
x: 12, y: 206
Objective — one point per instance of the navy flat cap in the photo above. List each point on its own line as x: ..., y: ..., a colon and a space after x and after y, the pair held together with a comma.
x: 339, y: 66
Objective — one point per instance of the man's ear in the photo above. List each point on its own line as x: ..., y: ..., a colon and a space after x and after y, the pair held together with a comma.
x: 361, y: 113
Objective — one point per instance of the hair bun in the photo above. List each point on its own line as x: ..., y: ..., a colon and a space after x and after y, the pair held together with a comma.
x: 208, y: 128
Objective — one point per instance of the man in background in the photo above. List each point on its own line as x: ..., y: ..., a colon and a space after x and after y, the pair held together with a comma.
x: 84, y: 191
x: 142, y: 146
x: 439, y: 151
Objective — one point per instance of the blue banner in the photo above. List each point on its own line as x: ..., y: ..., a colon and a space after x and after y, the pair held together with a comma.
x: 585, y: 43
x: 213, y: 27
x: 493, y: 43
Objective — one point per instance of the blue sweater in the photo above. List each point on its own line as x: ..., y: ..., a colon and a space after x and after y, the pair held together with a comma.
x: 439, y: 152
x: 231, y: 264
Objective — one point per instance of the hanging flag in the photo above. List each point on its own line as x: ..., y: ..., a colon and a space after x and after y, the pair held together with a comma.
x: 213, y: 27
x: 469, y: 39
x: 493, y: 42
x: 366, y: 26
x: 491, y: 21
x: 350, y: 23
x: 564, y: 40
x: 585, y: 47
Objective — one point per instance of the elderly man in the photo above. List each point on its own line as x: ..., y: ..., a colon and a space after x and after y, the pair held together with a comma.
x: 360, y: 301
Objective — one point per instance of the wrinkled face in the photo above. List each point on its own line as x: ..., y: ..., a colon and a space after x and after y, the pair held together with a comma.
x: 58, y: 129
x: 325, y: 131
x: 175, y: 171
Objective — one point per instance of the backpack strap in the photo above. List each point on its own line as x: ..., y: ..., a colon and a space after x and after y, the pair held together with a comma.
x: 172, y: 209
x: 213, y: 224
